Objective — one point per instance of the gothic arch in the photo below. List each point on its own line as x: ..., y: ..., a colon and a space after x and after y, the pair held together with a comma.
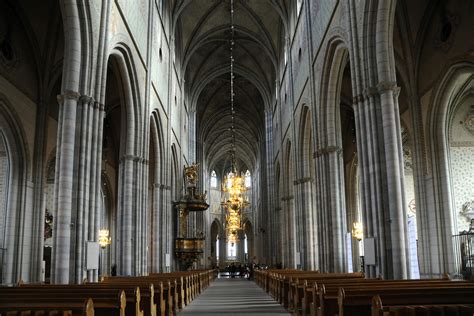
x: 125, y: 70
x: 14, y: 208
x: 216, y: 231
x: 330, y: 158
x: 336, y: 58
x: 306, y: 188
x: 454, y: 85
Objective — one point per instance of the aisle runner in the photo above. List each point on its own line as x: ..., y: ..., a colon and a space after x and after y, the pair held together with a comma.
x: 234, y: 297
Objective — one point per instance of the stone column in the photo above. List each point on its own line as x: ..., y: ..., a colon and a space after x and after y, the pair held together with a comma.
x: 241, y: 246
x: 269, y: 227
x: 306, y: 196
x: 382, y: 193
x: 388, y: 92
x: 222, y: 249
x: 331, y: 203
x: 156, y: 242
x: 64, y: 186
x: 84, y: 212
x: 125, y: 214
x: 39, y: 204
x: 92, y: 185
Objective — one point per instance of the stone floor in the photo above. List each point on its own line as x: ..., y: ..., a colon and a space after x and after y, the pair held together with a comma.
x: 234, y: 297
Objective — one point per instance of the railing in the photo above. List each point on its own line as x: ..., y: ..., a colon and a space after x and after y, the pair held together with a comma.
x: 464, y: 253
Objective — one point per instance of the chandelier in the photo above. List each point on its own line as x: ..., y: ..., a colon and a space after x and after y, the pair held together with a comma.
x: 233, y: 187
x: 234, y: 201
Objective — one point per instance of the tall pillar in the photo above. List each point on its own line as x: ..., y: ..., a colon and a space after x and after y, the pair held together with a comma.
x: 222, y: 249
x: 269, y: 226
x: 382, y: 192
x: 156, y: 242
x: 398, y: 230
x: 241, y: 246
x: 305, y: 189
x: 125, y: 213
x: 331, y: 203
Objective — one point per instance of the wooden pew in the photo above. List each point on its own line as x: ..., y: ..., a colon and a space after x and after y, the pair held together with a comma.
x: 163, y: 294
x: 437, y: 308
x: 328, y: 294
x: 114, y: 296
x: 325, y: 292
x: 291, y: 286
x: 359, y: 301
x: 19, y: 301
x: 87, y: 309
x: 135, y: 301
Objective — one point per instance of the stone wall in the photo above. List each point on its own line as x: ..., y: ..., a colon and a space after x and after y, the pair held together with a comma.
x: 462, y: 162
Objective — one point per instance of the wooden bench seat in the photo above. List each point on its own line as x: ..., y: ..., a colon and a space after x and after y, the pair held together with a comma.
x: 135, y: 301
x: 158, y: 294
x: 391, y: 306
x: 313, y: 295
x: 25, y: 302
x: 164, y: 290
x: 359, y: 301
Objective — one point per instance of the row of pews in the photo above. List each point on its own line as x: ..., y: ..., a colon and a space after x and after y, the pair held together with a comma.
x: 314, y: 293
x: 157, y: 294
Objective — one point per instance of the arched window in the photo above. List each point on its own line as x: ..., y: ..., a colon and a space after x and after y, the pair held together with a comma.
x: 248, y: 179
x: 213, y: 179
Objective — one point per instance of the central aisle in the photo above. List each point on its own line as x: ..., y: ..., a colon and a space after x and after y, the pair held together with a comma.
x: 234, y: 297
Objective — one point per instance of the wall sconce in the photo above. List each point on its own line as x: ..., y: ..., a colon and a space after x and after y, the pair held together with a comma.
x: 357, y: 231
x: 104, y: 238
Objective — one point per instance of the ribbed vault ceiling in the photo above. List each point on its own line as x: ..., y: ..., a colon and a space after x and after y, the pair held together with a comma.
x: 202, y: 30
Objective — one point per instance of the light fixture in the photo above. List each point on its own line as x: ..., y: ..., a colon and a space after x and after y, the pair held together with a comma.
x: 233, y: 187
x: 357, y: 231
x: 104, y: 238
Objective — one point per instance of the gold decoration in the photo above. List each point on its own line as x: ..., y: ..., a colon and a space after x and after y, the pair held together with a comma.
x: 234, y: 187
x: 191, y: 173
x: 104, y: 238
x: 357, y: 231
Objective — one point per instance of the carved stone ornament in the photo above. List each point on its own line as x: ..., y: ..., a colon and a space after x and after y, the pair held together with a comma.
x: 468, y: 210
x: 469, y: 121
x: 407, y: 158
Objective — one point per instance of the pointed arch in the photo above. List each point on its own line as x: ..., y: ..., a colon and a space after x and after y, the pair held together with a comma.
x: 458, y: 79
x: 16, y: 161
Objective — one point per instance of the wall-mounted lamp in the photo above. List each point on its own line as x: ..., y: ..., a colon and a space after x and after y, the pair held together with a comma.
x: 104, y: 238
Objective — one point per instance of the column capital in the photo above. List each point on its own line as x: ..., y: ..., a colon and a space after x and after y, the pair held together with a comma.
x: 132, y: 158
x: 358, y: 99
x: 161, y: 186
x: 302, y: 180
x: 370, y: 92
x: 85, y: 99
x: 68, y: 95
x: 387, y: 86
x: 327, y: 150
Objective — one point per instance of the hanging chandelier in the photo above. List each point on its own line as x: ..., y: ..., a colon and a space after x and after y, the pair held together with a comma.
x: 233, y: 187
